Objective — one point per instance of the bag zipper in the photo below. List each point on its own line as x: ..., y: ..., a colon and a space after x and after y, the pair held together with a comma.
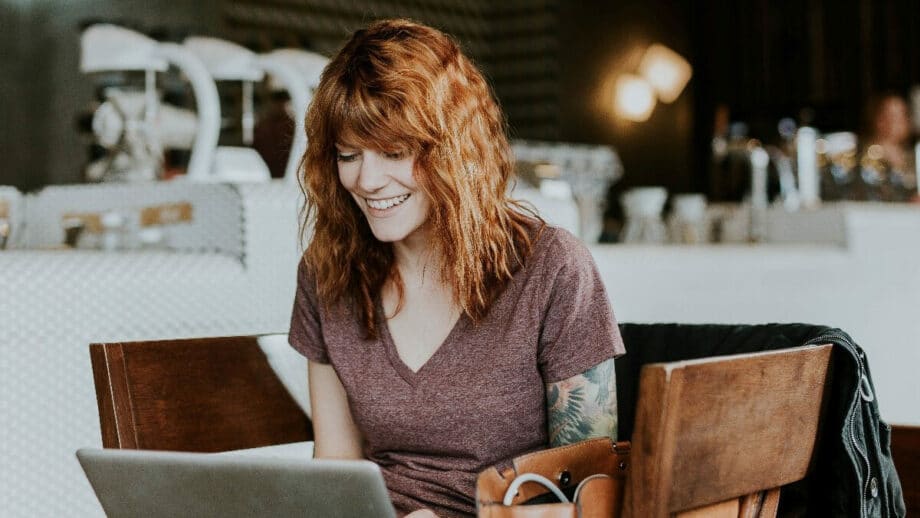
x: 846, y: 341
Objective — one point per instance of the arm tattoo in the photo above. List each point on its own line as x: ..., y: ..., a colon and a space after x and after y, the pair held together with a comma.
x: 583, y: 406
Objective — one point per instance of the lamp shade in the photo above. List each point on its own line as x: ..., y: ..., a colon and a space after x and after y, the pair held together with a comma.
x: 667, y: 71
x: 635, y: 98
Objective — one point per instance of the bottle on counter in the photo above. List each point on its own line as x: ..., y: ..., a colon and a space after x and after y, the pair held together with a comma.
x: 688, y: 223
x: 113, y: 230
x: 838, y: 160
x: 806, y: 155
x: 4, y: 232
x: 642, y: 207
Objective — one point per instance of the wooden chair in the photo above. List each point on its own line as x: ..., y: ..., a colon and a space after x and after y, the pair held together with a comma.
x: 905, y: 450
x: 718, y: 436
x: 202, y: 395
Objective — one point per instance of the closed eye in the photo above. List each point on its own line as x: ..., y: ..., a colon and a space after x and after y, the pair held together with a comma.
x: 346, y: 157
x: 396, y: 155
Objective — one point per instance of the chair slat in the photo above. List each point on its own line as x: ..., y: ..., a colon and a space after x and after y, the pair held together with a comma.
x: 204, y: 395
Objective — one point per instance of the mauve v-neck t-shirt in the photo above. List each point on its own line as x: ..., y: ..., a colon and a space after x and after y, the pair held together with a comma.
x: 480, y: 399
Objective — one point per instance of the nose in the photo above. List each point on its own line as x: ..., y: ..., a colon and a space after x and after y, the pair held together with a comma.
x: 372, y: 174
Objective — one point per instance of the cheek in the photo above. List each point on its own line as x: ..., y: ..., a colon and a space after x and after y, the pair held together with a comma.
x: 348, y: 181
x: 347, y: 177
x: 407, y: 175
x: 424, y: 208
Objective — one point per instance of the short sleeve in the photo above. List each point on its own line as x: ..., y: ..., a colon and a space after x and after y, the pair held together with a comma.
x: 579, y: 329
x: 306, y: 333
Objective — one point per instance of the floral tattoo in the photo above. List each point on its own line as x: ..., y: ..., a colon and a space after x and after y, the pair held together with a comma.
x: 583, y: 406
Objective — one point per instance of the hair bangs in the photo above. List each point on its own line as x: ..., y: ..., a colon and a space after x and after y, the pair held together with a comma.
x: 362, y: 118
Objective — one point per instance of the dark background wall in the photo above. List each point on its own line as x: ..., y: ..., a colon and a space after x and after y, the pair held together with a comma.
x: 601, y: 40
x: 816, y: 61
x: 515, y: 42
x: 551, y: 63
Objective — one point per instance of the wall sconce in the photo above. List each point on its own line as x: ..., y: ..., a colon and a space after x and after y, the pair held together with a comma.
x: 667, y: 71
x: 635, y: 98
x: 662, y: 76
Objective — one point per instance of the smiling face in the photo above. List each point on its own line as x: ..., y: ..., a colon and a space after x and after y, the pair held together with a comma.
x: 384, y: 188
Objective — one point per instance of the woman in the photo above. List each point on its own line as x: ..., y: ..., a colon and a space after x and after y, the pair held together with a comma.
x: 447, y: 329
x: 888, y: 126
x: 887, y: 168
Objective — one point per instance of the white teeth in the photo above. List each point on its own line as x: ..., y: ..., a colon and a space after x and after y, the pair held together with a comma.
x: 387, y: 203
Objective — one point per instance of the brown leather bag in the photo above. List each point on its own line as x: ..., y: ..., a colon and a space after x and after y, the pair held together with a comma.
x: 595, y: 467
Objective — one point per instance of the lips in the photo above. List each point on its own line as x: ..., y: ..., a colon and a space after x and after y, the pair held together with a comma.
x: 386, y: 203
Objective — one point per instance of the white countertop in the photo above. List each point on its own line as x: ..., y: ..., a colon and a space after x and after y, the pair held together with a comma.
x: 869, y: 287
x: 865, y: 280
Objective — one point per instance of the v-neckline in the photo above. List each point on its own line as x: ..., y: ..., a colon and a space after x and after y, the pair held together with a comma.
x: 405, y: 372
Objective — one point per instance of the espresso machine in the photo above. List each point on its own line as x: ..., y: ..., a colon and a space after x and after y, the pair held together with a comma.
x: 134, y: 127
x: 294, y: 70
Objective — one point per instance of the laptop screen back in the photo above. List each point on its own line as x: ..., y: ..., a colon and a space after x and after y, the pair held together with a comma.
x: 132, y: 483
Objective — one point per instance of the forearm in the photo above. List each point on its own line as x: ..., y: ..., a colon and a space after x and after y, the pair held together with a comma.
x: 335, y: 434
x: 328, y: 449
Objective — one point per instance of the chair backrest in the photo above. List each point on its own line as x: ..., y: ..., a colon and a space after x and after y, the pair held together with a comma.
x: 905, y: 451
x: 202, y: 395
x: 719, y: 436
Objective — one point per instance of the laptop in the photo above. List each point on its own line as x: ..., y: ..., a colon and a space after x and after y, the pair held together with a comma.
x: 132, y: 483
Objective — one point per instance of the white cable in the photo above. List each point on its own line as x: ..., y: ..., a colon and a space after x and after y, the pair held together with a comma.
x: 583, y: 482
x: 531, y: 477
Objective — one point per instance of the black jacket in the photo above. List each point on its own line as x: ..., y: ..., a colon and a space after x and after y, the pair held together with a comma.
x: 854, y: 475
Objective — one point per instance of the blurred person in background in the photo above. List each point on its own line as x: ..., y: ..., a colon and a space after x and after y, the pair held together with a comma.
x: 887, y: 160
x: 274, y: 134
x: 888, y: 125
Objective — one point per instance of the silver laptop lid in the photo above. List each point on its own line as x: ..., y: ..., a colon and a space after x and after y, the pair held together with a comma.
x: 131, y: 483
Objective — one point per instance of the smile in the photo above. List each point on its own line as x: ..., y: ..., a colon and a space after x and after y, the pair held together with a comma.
x: 386, y: 203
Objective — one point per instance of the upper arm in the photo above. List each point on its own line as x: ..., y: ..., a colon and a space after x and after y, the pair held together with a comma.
x: 578, y: 340
x: 578, y: 329
x: 335, y: 434
x: 583, y: 406
x: 306, y: 331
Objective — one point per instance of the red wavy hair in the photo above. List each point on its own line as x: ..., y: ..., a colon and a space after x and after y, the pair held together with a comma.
x: 401, y: 86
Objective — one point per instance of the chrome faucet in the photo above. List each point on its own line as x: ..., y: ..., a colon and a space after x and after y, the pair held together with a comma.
x: 788, y: 192
x: 760, y: 162
x: 760, y: 159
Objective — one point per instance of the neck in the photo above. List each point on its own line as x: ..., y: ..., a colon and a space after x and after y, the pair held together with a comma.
x: 419, y: 269
x: 414, y: 256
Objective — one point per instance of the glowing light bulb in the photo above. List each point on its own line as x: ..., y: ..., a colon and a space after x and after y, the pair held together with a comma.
x: 635, y: 98
x: 667, y: 71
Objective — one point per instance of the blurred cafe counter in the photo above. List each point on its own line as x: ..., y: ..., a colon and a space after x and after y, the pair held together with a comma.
x: 123, y: 262
x: 855, y: 266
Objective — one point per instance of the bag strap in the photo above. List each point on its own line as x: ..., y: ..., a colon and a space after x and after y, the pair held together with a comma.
x: 531, y: 477
x: 568, y: 464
